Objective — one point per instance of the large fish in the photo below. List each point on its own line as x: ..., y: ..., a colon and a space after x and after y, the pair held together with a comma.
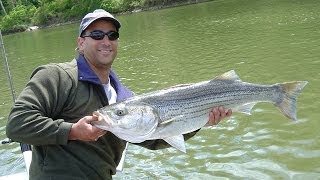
x: 169, y: 113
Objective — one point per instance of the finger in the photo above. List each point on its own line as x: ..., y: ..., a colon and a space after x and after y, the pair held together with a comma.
x: 222, y: 113
x: 102, y: 133
x: 97, y: 131
x: 89, y: 119
x: 217, y: 116
x: 217, y: 120
x: 216, y: 112
x: 97, y: 137
x: 229, y: 112
x: 211, y: 117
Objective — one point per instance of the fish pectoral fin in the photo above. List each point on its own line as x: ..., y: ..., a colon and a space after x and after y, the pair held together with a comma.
x: 176, y: 142
x: 246, y: 108
x: 171, y: 120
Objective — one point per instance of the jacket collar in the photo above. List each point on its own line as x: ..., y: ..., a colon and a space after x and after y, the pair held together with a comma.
x: 85, y: 73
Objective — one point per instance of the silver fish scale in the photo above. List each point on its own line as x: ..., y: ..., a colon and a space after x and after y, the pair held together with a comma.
x: 185, y: 108
x: 188, y: 106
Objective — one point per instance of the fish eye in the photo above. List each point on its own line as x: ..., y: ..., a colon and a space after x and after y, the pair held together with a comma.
x: 120, y: 112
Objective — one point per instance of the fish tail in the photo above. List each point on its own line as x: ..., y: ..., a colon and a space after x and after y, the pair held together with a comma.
x: 289, y: 102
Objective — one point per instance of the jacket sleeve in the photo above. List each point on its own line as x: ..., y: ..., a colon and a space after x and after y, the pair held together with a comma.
x: 31, y: 119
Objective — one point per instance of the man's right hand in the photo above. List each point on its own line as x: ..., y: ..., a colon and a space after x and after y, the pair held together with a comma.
x: 84, y: 131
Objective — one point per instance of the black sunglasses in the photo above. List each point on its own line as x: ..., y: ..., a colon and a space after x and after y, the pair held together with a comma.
x: 99, y: 35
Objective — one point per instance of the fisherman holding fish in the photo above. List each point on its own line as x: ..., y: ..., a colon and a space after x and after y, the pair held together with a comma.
x: 54, y: 112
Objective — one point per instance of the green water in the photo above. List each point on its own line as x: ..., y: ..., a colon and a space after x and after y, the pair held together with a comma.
x: 264, y: 41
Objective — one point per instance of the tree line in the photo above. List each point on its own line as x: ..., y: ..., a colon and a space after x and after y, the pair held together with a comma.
x: 18, y: 15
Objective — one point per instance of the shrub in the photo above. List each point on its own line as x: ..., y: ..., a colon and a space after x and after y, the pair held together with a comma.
x: 18, y: 19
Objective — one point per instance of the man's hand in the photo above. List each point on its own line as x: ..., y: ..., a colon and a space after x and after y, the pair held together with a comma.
x: 84, y: 131
x: 217, y: 114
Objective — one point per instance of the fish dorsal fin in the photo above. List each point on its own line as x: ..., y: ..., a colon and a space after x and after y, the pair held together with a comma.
x: 230, y: 75
x: 181, y: 85
x: 177, y: 142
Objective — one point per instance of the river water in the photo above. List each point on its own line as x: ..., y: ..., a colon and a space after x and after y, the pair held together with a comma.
x: 264, y: 41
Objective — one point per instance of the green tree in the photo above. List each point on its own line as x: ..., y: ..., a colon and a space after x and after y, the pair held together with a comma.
x: 18, y: 19
x: 16, y: 15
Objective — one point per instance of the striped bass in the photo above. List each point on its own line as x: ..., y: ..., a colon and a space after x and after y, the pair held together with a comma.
x: 169, y: 113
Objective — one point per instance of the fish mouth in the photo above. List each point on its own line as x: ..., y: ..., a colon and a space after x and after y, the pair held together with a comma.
x: 102, y: 118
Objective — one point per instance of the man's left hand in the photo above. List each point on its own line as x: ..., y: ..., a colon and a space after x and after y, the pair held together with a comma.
x: 217, y: 114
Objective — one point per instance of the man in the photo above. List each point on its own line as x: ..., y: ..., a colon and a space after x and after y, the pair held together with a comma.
x: 54, y: 112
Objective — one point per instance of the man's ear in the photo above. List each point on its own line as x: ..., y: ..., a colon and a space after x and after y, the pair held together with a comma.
x: 80, y: 42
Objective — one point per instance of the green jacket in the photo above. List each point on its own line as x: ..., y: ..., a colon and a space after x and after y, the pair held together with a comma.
x: 55, y: 97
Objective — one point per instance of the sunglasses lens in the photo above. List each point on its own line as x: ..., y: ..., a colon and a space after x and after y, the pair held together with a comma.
x: 97, y: 35
x: 112, y: 35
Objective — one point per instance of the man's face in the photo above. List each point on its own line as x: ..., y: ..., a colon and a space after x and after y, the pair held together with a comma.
x: 99, y: 53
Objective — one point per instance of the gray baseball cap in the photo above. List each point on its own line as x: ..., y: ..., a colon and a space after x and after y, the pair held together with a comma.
x: 95, y: 15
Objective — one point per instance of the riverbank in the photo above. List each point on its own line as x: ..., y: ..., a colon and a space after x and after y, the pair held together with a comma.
x: 149, y: 6
x: 163, y: 5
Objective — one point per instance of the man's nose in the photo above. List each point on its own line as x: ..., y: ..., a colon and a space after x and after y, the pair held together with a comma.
x: 106, y: 39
